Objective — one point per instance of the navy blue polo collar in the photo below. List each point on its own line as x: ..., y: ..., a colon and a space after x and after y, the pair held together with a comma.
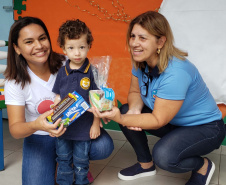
x: 153, y: 73
x: 83, y: 69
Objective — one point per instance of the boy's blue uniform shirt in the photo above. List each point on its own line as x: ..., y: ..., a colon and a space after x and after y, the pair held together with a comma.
x: 181, y: 81
x: 80, y: 80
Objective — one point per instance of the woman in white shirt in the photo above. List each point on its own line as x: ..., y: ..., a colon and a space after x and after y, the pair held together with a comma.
x: 30, y: 74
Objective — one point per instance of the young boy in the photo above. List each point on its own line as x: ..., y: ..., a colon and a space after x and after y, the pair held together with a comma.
x: 73, y: 146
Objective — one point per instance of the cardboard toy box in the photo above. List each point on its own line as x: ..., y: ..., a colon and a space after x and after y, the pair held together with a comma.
x: 68, y: 109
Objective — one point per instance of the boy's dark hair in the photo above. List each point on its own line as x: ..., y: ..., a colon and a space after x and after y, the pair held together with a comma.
x: 74, y: 29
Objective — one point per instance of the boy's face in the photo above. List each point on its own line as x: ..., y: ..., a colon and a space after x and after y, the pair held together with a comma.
x: 76, y: 50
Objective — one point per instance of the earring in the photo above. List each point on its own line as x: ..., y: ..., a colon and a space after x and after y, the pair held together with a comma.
x: 158, y: 51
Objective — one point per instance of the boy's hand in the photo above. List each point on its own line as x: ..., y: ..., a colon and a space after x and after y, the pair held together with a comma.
x: 94, y: 131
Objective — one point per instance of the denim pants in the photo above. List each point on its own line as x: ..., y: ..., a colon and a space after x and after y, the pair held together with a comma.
x: 39, y: 160
x: 180, y: 148
x: 73, y: 159
x: 39, y: 157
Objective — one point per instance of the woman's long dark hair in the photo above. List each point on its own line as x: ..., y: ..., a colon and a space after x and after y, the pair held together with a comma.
x: 16, y: 64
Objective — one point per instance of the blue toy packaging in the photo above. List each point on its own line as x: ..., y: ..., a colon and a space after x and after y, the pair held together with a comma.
x: 68, y: 109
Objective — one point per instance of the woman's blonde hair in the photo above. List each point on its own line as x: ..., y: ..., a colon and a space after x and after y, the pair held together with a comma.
x: 157, y: 25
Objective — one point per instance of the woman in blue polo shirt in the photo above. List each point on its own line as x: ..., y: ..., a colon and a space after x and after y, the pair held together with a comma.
x: 169, y: 99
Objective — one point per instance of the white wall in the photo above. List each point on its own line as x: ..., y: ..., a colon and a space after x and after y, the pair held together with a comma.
x: 199, y: 27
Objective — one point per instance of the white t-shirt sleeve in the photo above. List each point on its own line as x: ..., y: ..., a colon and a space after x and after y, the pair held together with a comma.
x: 14, y: 95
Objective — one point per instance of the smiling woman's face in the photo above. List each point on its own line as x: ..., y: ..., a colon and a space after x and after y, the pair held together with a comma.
x: 143, y: 45
x: 33, y: 44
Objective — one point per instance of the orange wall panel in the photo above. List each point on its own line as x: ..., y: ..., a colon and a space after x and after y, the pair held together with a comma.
x: 109, y: 35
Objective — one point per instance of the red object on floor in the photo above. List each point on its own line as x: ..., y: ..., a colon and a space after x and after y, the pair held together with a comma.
x: 90, y: 177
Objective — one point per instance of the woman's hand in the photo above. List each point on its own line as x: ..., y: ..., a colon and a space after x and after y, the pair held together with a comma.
x: 57, y: 132
x: 113, y: 114
x: 42, y: 124
x: 106, y: 121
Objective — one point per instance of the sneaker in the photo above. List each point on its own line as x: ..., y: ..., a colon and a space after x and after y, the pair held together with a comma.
x: 136, y: 171
x: 199, y: 179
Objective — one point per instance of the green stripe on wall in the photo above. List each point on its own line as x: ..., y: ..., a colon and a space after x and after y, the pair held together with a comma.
x: 113, y: 125
x: 224, y: 142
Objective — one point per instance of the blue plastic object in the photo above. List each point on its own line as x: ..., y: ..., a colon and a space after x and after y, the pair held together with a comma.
x: 108, y: 93
x: 1, y: 143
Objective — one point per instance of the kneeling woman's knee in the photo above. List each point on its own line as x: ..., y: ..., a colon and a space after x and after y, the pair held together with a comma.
x: 101, y: 147
x: 164, y: 158
x: 124, y: 108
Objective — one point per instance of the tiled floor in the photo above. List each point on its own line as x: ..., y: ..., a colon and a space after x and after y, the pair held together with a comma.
x: 105, y: 171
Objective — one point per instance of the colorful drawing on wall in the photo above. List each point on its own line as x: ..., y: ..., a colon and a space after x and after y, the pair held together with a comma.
x: 19, y: 6
x: 108, y: 21
x: 3, y: 55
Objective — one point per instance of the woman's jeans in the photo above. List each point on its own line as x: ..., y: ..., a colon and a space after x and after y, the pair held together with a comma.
x: 180, y: 148
x: 39, y: 157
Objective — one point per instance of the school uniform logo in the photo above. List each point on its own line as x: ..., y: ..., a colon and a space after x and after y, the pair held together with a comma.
x: 85, y: 83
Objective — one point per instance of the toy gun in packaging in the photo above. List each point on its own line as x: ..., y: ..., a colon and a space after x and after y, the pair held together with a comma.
x: 102, y: 99
x: 68, y: 109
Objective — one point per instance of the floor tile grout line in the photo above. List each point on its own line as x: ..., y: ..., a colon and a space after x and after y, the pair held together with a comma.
x: 106, y: 165
x: 9, y: 154
x: 218, y: 178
